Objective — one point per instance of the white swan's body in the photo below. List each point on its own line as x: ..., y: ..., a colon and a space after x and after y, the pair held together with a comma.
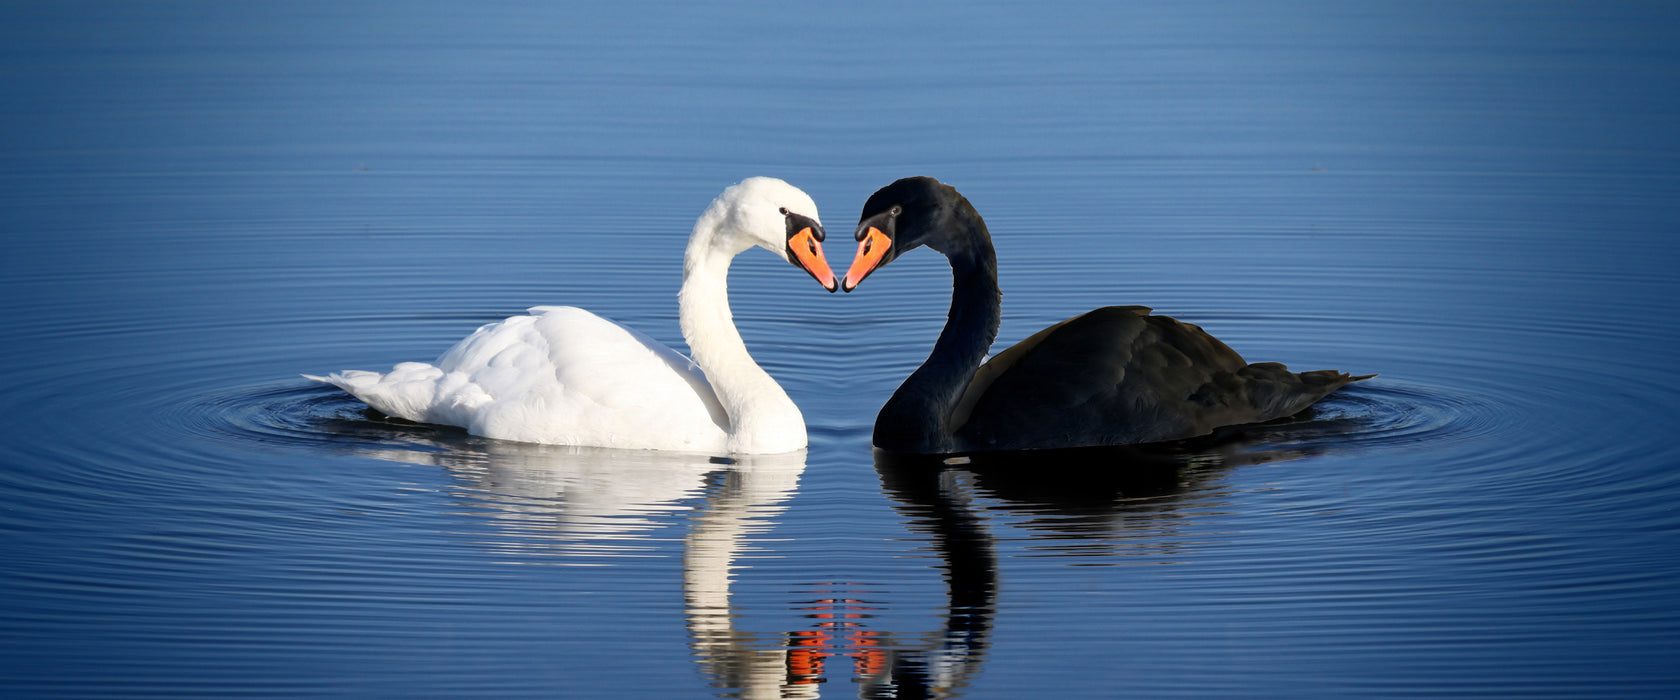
x: 565, y: 376
x: 559, y: 376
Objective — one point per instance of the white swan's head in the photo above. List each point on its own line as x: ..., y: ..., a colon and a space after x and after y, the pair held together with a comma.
x: 776, y: 216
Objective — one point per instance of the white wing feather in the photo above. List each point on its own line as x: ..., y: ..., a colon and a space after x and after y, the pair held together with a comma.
x: 560, y: 376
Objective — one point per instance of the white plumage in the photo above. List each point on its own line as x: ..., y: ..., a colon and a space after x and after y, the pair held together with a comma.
x: 562, y: 375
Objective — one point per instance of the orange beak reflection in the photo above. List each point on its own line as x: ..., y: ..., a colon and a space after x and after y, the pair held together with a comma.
x: 871, y: 250
x: 807, y: 252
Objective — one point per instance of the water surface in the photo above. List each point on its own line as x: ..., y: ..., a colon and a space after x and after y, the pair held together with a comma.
x: 199, y: 202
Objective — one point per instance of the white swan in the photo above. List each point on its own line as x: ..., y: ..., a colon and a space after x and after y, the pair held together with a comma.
x: 565, y: 376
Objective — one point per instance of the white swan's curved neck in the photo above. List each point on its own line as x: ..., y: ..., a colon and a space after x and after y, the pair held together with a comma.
x: 761, y: 416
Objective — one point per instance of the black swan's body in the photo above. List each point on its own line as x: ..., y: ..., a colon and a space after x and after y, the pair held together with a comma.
x: 1113, y: 376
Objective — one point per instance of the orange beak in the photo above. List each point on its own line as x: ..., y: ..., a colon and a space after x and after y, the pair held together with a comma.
x: 871, y: 250
x: 807, y: 253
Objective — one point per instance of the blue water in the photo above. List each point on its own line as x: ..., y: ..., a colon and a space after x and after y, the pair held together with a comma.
x: 200, y: 201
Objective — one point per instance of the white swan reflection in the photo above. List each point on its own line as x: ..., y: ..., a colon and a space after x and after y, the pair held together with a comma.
x: 556, y: 500
x: 568, y: 502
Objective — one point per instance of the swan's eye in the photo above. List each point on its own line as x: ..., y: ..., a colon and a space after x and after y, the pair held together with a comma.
x: 783, y: 210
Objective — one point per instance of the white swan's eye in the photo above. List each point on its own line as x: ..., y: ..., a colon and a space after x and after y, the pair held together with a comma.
x: 783, y: 210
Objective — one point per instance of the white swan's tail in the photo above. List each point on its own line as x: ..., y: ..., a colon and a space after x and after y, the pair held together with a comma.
x: 409, y: 391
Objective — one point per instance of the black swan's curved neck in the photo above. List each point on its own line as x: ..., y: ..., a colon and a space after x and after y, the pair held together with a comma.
x: 916, y: 418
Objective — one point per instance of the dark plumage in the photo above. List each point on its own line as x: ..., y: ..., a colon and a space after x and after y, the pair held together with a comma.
x: 1113, y: 376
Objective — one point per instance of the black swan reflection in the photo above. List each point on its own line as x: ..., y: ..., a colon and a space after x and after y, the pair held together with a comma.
x: 1078, y: 494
